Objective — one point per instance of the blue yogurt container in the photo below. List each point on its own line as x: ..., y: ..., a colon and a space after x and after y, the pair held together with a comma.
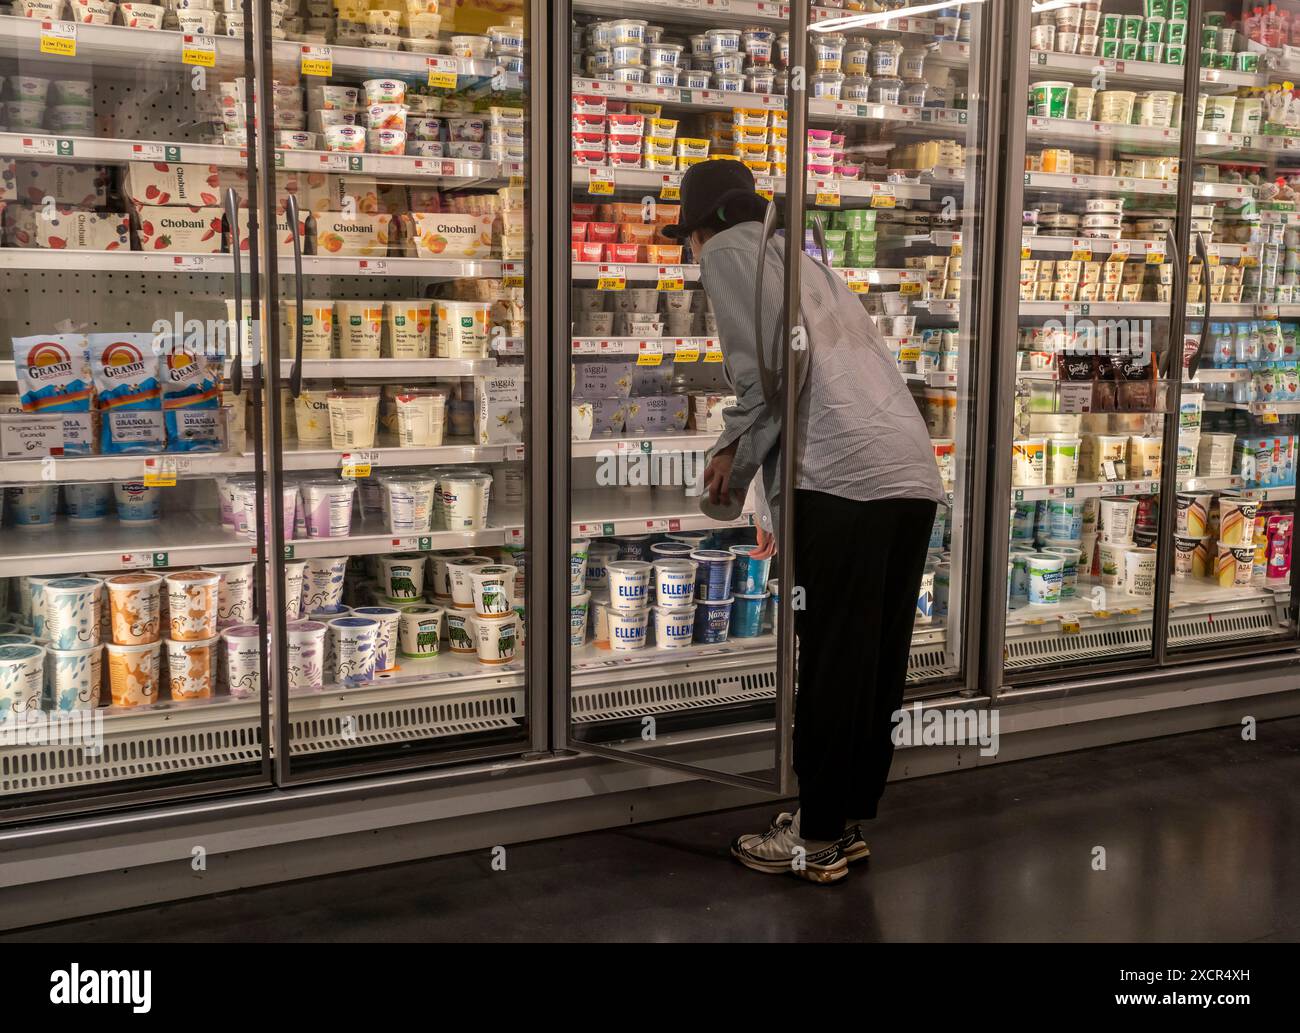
x: 747, y: 614
x: 749, y: 576
x: 712, y: 575
x: 712, y: 620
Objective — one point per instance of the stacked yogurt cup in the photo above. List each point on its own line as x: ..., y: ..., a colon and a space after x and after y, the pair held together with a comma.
x: 64, y: 106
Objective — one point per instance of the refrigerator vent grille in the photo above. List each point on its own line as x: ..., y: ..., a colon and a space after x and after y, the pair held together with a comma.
x: 1199, y: 630
x: 381, y: 724
x: 671, y: 695
x: 137, y: 756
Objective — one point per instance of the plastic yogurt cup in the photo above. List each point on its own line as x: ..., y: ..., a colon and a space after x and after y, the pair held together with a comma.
x: 323, y: 582
x: 87, y: 503
x: 1140, y: 571
x: 32, y: 506
x: 674, y: 583
x: 72, y: 612
x: 386, y: 638
x: 409, y: 503
x: 74, y: 677
x: 599, y: 555
x: 713, y: 574
x: 496, y: 637
x: 747, y: 614
x: 192, y: 599
x: 22, y: 679
x: 579, y: 549
x: 133, y: 673
x: 674, y: 626
x: 135, y: 607
x: 460, y: 631
x: 1049, y: 98
x: 629, y: 582
x: 243, y: 653
x: 462, y: 500
x: 1117, y: 520
x: 492, y: 589
x: 137, y: 504
x: 712, y: 620
x: 352, y: 643
x: 458, y: 571
x: 401, y: 576
x: 749, y: 575
x: 627, y: 628
x: 191, y: 667
x: 327, y: 507
x: 1045, y: 573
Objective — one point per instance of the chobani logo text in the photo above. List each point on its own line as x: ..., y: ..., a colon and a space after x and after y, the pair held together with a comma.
x: 465, y: 231
x: 167, y: 222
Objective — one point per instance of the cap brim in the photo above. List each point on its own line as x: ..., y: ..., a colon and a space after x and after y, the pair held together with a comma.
x: 676, y: 231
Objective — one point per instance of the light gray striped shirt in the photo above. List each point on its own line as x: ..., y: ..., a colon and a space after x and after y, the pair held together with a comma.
x: 860, y: 435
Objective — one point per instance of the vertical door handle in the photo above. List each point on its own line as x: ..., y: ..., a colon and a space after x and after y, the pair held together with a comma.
x: 295, y: 377
x: 237, y: 361
x: 1202, y: 252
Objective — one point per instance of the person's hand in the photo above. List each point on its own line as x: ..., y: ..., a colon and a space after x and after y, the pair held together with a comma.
x: 717, y: 475
x: 766, y: 545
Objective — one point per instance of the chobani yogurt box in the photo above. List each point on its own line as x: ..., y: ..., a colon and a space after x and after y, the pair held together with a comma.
x: 285, y: 237
x: 339, y: 233
x: 445, y: 235
x: 164, y: 183
x: 64, y: 227
x: 193, y: 231
x: 85, y: 186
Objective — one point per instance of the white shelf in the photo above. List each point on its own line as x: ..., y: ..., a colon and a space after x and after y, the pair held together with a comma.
x: 633, y: 345
x: 387, y: 454
x: 1083, y: 67
x: 353, y: 369
x: 1058, y: 181
x: 1095, y: 308
x: 1074, y: 130
x: 99, y: 468
x: 1285, y: 494
x: 635, y: 272
x: 47, y: 259
x: 1189, y: 595
x: 179, y: 539
x: 600, y: 513
x: 1106, y: 489
x: 370, y: 537
x: 594, y: 659
x: 855, y: 189
x: 696, y: 12
x: 1210, y: 375
x: 686, y: 441
x: 450, y: 172
x: 121, y: 47
x: 677, y: 96
x: 933, y: 378
x: 1255, y: 408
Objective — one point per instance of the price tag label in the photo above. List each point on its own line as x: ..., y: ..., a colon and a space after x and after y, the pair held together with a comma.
x: 883, y: 198
x: 600, y: 181
x: 909, y: 354
x: 1081, y: 252
x: 611, y: 277
x: 316, y: 60
x: 1069, y: 624
x: 514, y: 453
x: 1025, y: 254
x: 956, y: 249
x: 192, y: 263
x: 686, y: 351
x: 1075, y: 397
x: 1268, y: 417
x: 512, y: 274
x: 159, y: 472
x: 712, y: 351
x: 1155, y: 258
x: 357, y: 464
x: 671, y: 187
x: 1119, y: 251
x: 649, y: 353
x: 59, y: 38
x: 199, y: 50
x: 765, y: 186
x: 909, y: 289
x: 137, y: 559
x: 443, y: 72
x: 413, y: 543
x: 373, y: 267
x: 856, y: 281
x: 671, y: 278
x: 827, y: 193
x: 42, y: 146
x: 147, y: 152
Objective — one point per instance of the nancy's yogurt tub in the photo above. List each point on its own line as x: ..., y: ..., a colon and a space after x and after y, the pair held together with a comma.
x: 712, y: 620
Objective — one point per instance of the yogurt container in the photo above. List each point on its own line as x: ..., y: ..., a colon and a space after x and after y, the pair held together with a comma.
x: 749, y: 575
x: 627, y: 628
x: 192, y: 597
x: 460, y: 631
x: 458, y: 570
x: 136, y: 503
x: 74, y: 677
x: 1048, y: 98
x: 747, y: 612
x: 674, y: 626
x: 72, y: 612
x: 352, y: 641
x: 713, y: 574
x: 86, y: 503
x: 579, y: 606
x: 243, y: 665
x: 323, y: 582
x: 22, y: 680
x: 712, y: 620
x: 492, y: 587
x: 409, y: 503
x: 401, y: 576
x: 1045, y: 573
x: 135, y: 607
x: 578, y: 553
x: 674, y: 583
x: 496, y: 637
x: 389, y: 620
x: 629, y: 582
x: 327, y: 507
x: 191, y: 667
x: 32, y: 506
x: 419, y: 631
x: 462, y: 500
x: 133, y: 673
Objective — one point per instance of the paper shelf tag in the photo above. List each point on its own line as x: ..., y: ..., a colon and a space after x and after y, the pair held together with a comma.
x: 611, y: 277
x: 357, y: 465
x: 686, y: 352
x: 883, y: 198
x: 671, y: 187
x: 827, y: 193
x: 765, y: 186
x: 316, y: 60
x: 671, y: 278
x: 199, y: 50
x: 910, y: 288
x: 512, y: 274
x: 649, y: 353
x: 712, y: 351
x: 856, y: 281
x: 443, y: 72
x: 600, y: 181
x: 59, y: 38
x: 159, y: 472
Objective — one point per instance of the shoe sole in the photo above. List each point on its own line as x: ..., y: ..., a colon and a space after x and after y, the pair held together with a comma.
x: 858, y: 852
x: 821, y: 875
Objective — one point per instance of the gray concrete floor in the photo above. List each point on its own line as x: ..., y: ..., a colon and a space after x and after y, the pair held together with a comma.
x: 1201, y: 835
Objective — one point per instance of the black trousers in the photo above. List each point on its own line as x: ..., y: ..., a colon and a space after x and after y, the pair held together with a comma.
x: 859, y: 565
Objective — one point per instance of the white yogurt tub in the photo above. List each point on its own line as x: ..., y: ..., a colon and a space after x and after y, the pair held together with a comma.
x: 1107, y: 205
x: 1155, y: 109
x: 1115, y: 106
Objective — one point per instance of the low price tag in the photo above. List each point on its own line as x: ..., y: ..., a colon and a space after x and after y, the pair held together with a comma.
x: 199, y: 50
x: 443, y: 71
x: 316, y: 60
x: 712, y: 351
x: 765, y: 186
x: 1025, y: 254
x: 1155, y: 258
x: 159, y: 472
x: 828, y: 193
x: 357, y: 464
x: 649, y: 353
x: 909, y: 354
x: 1081, y: 253
x: 856, y: 281
x: 686, y: 351
x: 671, y: 188
x: 910, y: 288
x: 600, y: 181
x: 59, y: 38
x: 1069, y: 624
x: 512, y: 274
x: 883, y: 198
x: 611, y: 277
x: 671, y: 278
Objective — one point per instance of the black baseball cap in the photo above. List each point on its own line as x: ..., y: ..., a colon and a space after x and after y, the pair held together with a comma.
x: 704, y: 186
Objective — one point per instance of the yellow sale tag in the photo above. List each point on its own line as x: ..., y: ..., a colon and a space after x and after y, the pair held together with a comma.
x: 909, y: 354
x: 1025, y: 254
x: 671, y: 190
x: 828, y: 195
x: 512, y: 281
x: 712, y: 352
x: 611, y: 278
x: 1155, y: 258
x: 1269, y: 417
x: 1081, y: 254
x: 1248, y: 261
x: 600, y: 181
x: 1069, y: 624
x: 909, y: 288
x: 687, y: 354
x: 512, y: 274
x: 443, y: 80
x: 765, y: 187
x: 1117, y: 256
x: 59, y: 38
x: 355, y: 470
x: 956, y: 251
x: 356, y: 465
x: 649, y: 353
x: 883, y: 200
x: 671, y: 278
x: 159, y: 473
x: 317, y: 60
x: 857, y: 285
x: 199, y: 50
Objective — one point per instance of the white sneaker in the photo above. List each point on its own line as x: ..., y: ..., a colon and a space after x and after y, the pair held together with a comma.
x: 853, y: 844
x: 781, y: 851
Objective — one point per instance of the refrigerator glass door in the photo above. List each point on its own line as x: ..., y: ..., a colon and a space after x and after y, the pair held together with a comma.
x: 401, y: 334
x: 1240, y: 397
x: 1094, y: 421
x: 132, y: 571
